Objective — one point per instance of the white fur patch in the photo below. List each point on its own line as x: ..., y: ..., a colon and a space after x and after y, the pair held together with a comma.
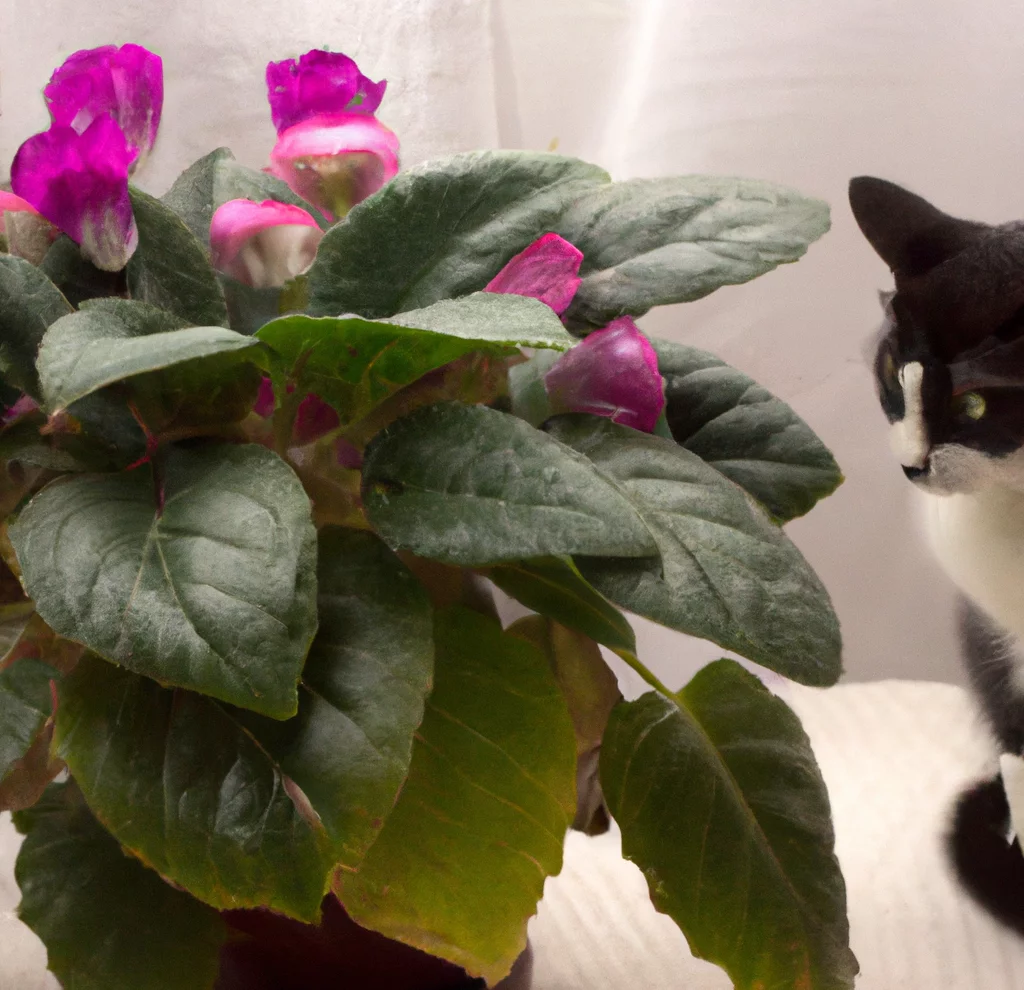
x: 1011, y: 769
x: 908, y: 437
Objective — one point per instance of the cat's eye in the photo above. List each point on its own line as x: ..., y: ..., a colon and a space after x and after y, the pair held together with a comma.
x: 970, y: 404
x: 889, y: 371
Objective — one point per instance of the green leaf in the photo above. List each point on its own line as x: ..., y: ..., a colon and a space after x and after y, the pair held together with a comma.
x: 217, y: 178
x: 526, y: 389
x: 649, y: 242
x: 442, y: 229
x: 362, y: 693
x: 354, y: 363
x: 461, y: 862
x: 472, y: 486
x: 111, y: 340
x: 25, y: 705
x: 170, y: 269
x: 29, y: 303
x: 726, y: 573
x: 77, y: 277
x: 107, y: 922
x: 742, y: 430
x: 180, y: 783
x: 554, y: 587
x: 209, y: 583
x: 748, y: 871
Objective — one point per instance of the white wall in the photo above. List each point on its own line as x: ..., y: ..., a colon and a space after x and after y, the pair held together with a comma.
x: 803, y: 92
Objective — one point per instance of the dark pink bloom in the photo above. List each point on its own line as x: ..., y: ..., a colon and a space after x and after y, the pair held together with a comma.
x: 319, y: 82
x: 547, y: 270
x: 127, y: 83
x: 612, y: 372
x: 79, y: 182
x: 313, y: 419
x: 26, y: 404
x: 264, y: 404
x: 335, y: 160
x: 262, y: 244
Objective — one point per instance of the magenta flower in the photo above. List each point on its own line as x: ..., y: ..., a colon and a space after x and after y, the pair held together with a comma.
x: 313, y: 417
x: 263, y: 244
x: 319, y: 83
x: 547, y: 270
x: 612, y: 372
x: 125, y: 82
x: 79, y: 182
x: 335, y: 160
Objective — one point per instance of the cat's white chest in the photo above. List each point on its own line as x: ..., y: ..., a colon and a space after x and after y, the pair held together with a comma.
x: 979, y: 540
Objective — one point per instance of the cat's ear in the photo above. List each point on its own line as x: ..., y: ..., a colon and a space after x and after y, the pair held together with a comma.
x: 909, y: 234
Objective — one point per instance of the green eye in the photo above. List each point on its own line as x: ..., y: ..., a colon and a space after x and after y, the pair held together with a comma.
x: 971, y: 405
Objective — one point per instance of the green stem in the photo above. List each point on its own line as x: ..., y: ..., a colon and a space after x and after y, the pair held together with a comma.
x: 648, y: 677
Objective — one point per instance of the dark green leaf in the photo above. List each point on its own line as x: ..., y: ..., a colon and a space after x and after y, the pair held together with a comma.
x: 107, y: 922
x: 22, y: 441
x: 249, y: 308
x: 111, y: 340
x: 555, y: 588
x: 442, y: 229
x: 469, y: 485
x: 648, y: 242
x: 29, y: 303
x: 77, y: 277
x: 461, y: 862
x: 526, y: 389
x: 170, y: 268
x: 182, y: 785
x: 25, y: 705
x: 742, y: 430
x: 355, y: 363
x: 214, y: 589
x: 362, y: 692
x: 217, y: 178
x: 726, y: 573
x: 723, y: 808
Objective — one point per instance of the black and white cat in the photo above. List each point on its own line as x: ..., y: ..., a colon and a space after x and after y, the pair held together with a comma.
x: 950, y: 373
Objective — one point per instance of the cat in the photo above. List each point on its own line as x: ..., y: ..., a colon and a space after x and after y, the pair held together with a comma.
x: 949, y: 368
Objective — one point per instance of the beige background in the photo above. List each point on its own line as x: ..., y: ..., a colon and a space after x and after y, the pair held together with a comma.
x: 928, y: 93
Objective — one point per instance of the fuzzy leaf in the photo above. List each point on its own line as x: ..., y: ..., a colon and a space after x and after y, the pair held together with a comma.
x: 748, y: 872
x: 214, y: 589
x: 726, y: 573
x: 472, y: 486
x: 170, y: 268
x: 461, y: 862
x: 29, y: 303
x: 362, y: 692
x: 742, y: 430
x: 442, y: 229
x: 25, y: 705
x: 181, y: 784
x: 107, y: 922
x: 555, y: 588
x: 354, y: 363
x: 650, y: 242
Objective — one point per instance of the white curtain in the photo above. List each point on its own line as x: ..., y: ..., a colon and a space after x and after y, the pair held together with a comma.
x: 807, y: 93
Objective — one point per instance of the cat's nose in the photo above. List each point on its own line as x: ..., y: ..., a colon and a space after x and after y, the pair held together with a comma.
x: 913, y: 473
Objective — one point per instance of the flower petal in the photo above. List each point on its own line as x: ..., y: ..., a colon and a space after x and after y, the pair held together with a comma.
x: 336, y: 160
x: 125, y: 82
x: 262, y: 244
x: 319, y: 82
x: 612, y: 372
x: 79, y: 182
x: 547, y: 270
x: 313, y: 419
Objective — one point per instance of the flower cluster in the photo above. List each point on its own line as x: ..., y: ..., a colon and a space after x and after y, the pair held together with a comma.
x: 105, y: 106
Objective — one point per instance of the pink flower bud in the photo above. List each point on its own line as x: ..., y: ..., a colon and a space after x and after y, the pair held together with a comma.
x: 547, y: 270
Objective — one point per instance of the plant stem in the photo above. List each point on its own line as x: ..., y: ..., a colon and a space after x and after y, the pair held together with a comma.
x: 648, y: 677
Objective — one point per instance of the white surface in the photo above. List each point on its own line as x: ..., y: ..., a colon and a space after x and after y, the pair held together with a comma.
x: 894, y: 756
x: 805, y: 93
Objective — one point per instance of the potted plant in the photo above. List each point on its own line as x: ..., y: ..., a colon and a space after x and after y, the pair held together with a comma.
x: 270, y: 441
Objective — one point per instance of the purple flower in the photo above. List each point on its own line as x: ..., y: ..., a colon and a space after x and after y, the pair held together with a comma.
x: 335, y: 160
x: 547, y: 270
x: 79, y: 182
x: 612, y: 372
x: 125, y: 82
x: 319, y: 82
x: 263, y: 244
